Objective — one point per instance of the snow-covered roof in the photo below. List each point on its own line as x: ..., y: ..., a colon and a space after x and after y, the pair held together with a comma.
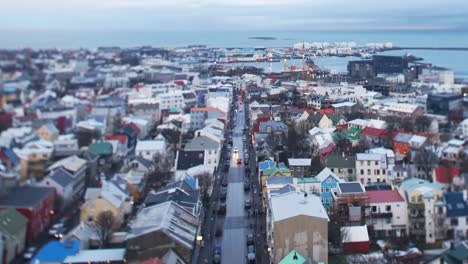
x: 151, y: 145
x: 97, y: 255
x: 72, y: 163
x: 299, y: 162
x: 293, y: 204
x: 355, y: 234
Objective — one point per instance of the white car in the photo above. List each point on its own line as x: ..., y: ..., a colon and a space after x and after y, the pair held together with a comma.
x: 55, y: 228
x: 235, y: 150
x: 29, y: 253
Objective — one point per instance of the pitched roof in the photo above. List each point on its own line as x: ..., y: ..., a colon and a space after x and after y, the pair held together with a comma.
x: 25, y: 196
x: 384, y: 196
x: 72, y: 164
x: 456, y: 204
x: 458, y: 254
x: 121, y: 138
x: 402, y: 137
x: 100, y: 148
x: 355, y: 234
x: 294, y: 204
x: 325, y: 173
x: 151, y: 145
x: 374, y: 132
x: 293, y: 258
x: 61, y: 177
x: 11, y: 222
x: 446, y: 175
x: 189, y: 159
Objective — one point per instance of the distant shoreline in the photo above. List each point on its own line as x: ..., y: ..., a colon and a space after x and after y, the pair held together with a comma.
x: 263, y: 38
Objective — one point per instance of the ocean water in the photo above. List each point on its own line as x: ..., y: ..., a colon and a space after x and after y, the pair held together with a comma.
x: 456, y: 60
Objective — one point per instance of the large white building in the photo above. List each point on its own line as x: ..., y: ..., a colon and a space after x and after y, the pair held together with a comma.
x: 173, y: 99
x: 371, y: 168
x: 389, y: 213
x: 149, y: 148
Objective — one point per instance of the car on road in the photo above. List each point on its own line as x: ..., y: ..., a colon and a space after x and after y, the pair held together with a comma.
x: 250, y: 239
x: 251, y: 254
x: 29, y: 253
x: 224, y: 183
x: 217, y: 254
x: 235, y: 150
x: 222, y: 209
x: 218, y: 231
x: 55, y: 228
x: 246, y: 186
x: 61, y: 232
x: 247, y: 204
x: 223, y: 194
x: 226, y: 166
x: 239, y: 161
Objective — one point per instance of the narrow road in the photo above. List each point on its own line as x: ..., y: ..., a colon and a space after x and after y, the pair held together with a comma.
x: 236, y: 225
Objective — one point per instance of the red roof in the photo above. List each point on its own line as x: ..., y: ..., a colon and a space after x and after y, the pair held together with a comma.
x: 326, y: 111
x: 259, y: 120
x: 446, y: 175
x: 373, y: 132
x: 134, y: 127
x: 121, y: 138
x: 384, y: 196
x: 152, y: 261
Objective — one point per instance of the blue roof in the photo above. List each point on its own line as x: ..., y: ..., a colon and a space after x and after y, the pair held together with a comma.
x: 266, y: 165
x: 191, y: 182
x: 56, y: 251
x: 456, y: 205
x: 282, y: 165
x: 12, y: 156
x: 280, y: 180
x: 285, y: 189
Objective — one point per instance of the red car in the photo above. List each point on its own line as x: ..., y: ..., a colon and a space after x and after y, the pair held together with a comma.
x: 239, y: 161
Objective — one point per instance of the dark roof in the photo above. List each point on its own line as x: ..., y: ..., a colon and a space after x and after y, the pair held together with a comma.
x: 378, y: 186
x: 12, y: 221
x: 61, y: 176
x: 25, y: 196
x: 143, y: 161
x: 177, y: 195
x: 350, y: 187
x: 338, y: 161
x: 456, y: 204
x: 184, y: 185
x: 456, y: 255
x: 189, y: 159
x: 285, y: 189
x: 314, y: 117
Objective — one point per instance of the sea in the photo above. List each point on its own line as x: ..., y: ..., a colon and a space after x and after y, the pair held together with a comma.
x: 455, y: 60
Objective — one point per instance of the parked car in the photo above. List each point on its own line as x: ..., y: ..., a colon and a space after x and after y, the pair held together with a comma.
x: 246, y: 186
x: 224, y: 183
x: 61, y: 232
x: 223, y: 194
x: 29, y: 253
x: 250, y: 239
x: 219, y: 231
x: 251, y: 254
x: 222, y: 209
x: 247, y: 204
x: 239, y: 161
x: 217, y: 254
x: 55, y: 228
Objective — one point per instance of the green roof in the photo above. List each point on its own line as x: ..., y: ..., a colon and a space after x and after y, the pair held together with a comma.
x: 274, y: 170
x: 337, y: 161
x: 100, y: 148
x: 456, y: 255
x: 307, y: 180
x: 290, y: 258
x: 12, y: 222
x: 354, y: 133
x: 173, y: 110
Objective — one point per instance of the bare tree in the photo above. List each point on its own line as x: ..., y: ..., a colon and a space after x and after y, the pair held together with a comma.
x: 104, y: 225
x: 205, y: 182
x: 425, y: 160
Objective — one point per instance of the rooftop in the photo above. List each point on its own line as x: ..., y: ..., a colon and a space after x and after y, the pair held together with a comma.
x: 350, y: 187
x: 97, y: 255
x: 57, y: 251
x: 293, y: 204
x: 384, y: 196
x: 25, y: 196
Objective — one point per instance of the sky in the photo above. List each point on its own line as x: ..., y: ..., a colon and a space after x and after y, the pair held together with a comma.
x: 234, y: 15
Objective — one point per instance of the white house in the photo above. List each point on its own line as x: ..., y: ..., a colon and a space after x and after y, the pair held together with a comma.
x: 371, y: 168
x: 149, y: 148
x: 211, y: 148
x: 389, y: 213
x: 172, y: 99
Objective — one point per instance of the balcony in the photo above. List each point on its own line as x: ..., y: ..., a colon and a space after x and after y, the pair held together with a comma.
x: 382, y: 214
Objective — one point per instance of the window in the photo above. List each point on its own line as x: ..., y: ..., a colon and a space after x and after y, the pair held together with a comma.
x: 378, y: 172
x: 383, y: 172
x: 350, y: 171
x: 376, y: 163
x: 209, y: 151
x: 454, y: 222
x: 374, y: 209
x: 368, y: 180
x: 368, y: 163
x: 378, y: 179
x: 362, y: 180
x: 327, y: 189
x: 362, y: 172
x: 90, y: 218
x: 362, y: 163
x: 388, y: 208
x: 388, y: 220
x: 323, y: 189
x: 368, y: 172
x: 209, y: 161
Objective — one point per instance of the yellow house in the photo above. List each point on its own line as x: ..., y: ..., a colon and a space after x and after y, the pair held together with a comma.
x: 112, y: 196
x: 34, y: 157
x: 47, y: 132
x: 272, y: 172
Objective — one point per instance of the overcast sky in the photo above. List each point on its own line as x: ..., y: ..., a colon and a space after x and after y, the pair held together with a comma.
x: 238, y: 15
